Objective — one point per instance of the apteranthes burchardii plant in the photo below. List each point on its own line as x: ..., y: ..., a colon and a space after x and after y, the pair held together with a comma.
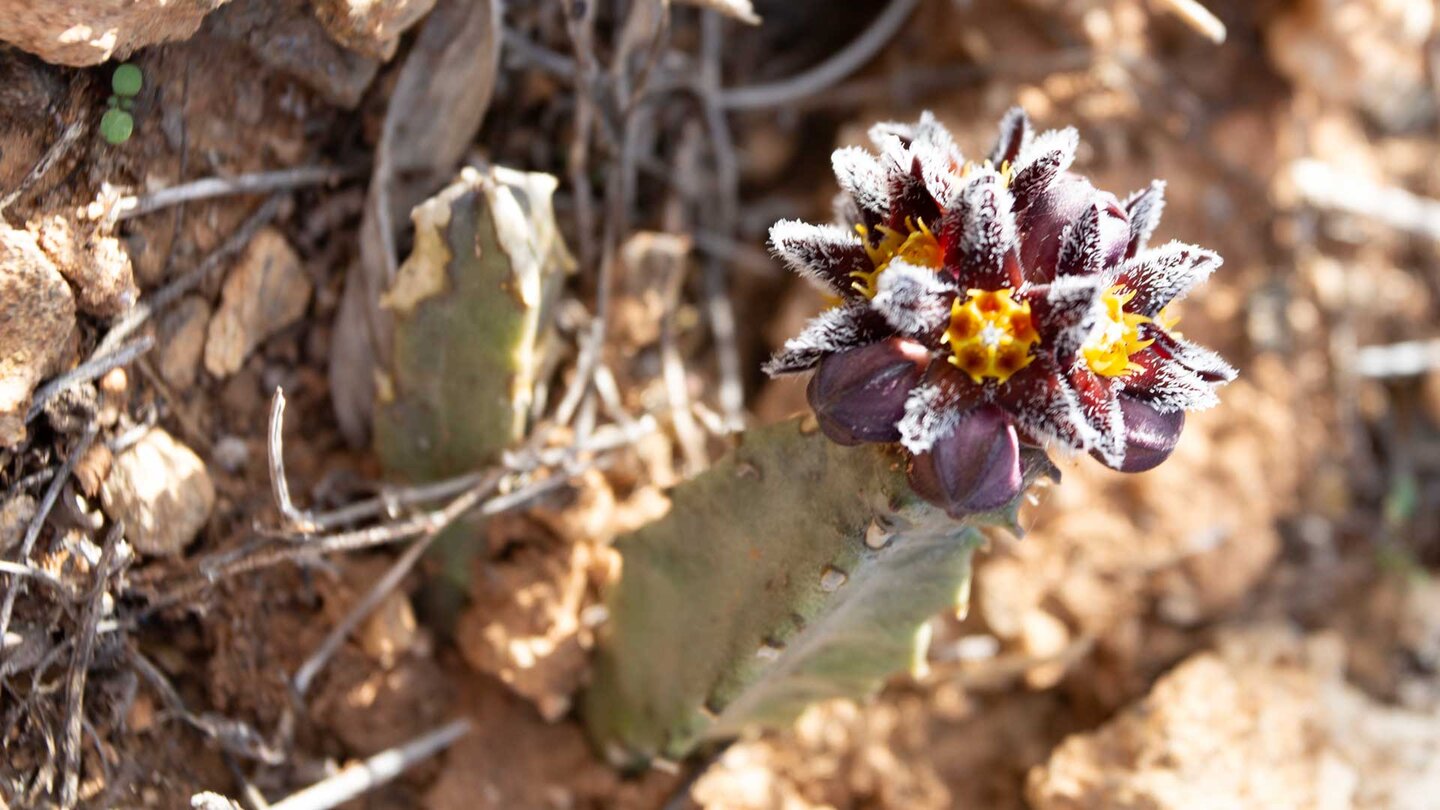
x: 985, y: 314
x: 982, y: 308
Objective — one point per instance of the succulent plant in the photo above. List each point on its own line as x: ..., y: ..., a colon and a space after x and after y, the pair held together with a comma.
x: 984, y: 315
x: 794, y: 570
x: 470, y: 312
x: 983, y: 308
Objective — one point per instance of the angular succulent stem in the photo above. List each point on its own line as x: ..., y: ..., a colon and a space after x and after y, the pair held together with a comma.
x: 793, y: 571
x: 470, y: 322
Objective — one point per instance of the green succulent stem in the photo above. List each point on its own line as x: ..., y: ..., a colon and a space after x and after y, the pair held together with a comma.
x: 794, y: 571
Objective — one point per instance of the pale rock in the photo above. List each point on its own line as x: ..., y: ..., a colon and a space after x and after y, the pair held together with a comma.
x: 390, y: 631
x: 87, y: 32
x: 161, y: 491
x: 93, y: 261
x: 182, y: 340
x: 37, y: 320
x: 1268, y: 720
x: 370, y: 27
x: 266, y: 291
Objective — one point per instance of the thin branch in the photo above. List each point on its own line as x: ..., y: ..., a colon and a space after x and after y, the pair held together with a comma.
x: 210, y: 188
x: 718, y: 306
x: 845, y: 62
x: 79, y: 669
x: 294, y: 519
x: 375, y: 771
x: 32, y: 532
x: 22, y: 570
x: 387, y: 583
x: 87, y: 371
x: 390, y: 501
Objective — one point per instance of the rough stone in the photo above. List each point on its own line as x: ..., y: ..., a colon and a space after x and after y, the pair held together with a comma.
x: 266, y: 291
x: 182, y: 340
x: 390, y: 631
x: 15, y: 515
x: 88, y: 32
x: 94, y: 262
x: 1267, y: 720
x: 523, y: 626
x: 370, y: 27
x: 37, y: 320
x: 285, y: 36
x: 162, y: 492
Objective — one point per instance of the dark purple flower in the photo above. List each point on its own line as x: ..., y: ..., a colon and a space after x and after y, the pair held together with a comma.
x: 982, y: 307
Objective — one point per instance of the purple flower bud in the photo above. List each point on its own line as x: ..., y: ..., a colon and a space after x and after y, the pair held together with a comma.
x: 1043, y: 223
x: 1150, y: 436
x: 974, y: 468
x: 859, y: 395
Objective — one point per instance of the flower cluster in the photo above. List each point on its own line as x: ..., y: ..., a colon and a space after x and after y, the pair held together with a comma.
x: 982, y: 307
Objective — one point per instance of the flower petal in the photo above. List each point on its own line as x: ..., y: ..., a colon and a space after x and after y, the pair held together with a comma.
x: 910, y: 200
x: 1015, y: 135
x: 1040, y: 162
x: 1058, y: 217
x: 859, y: 175
x: 1144, y: 208
x: 859, y: 395
x: 1065, y: 312
x: 833, y: 330
x: 1150, y: 436
x: 1044, y: 407
x: 975, y: 467
x: 1210, y: 366
x: 1164, y: 274
x: 1167, y: 385
x: 1100, y: 407
x: 979, y: 235
x: 825, y: 255
x: 914, y: 300
x: 935, y: 405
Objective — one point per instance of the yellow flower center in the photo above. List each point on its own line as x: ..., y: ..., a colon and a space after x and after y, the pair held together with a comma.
x: 990, y: 334
x: 1116, y: 338
x: 917, y: 245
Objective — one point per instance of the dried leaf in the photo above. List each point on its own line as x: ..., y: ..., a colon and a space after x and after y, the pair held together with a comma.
x: 439, y: 101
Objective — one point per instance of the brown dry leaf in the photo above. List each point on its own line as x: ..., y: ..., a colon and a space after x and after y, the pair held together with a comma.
x: 436, y: 109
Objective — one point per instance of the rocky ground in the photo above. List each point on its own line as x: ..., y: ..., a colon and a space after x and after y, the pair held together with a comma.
x: 1253, y: 624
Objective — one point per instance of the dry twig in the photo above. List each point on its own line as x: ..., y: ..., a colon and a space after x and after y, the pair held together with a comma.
x: 1197, y: 17
x: 87, y: 371
x: 375, y: 771
x: 80, y: 669
x: 826, y: 74
x: 210, y: 188
x: 32, y: 532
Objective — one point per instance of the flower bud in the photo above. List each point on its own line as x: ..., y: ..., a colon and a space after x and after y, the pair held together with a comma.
x: 1150, y: 436
x: 858, y: 395
x: 974, y: 468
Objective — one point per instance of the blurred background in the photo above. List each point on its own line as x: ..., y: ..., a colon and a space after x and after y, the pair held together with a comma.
x: 1255, y: 623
